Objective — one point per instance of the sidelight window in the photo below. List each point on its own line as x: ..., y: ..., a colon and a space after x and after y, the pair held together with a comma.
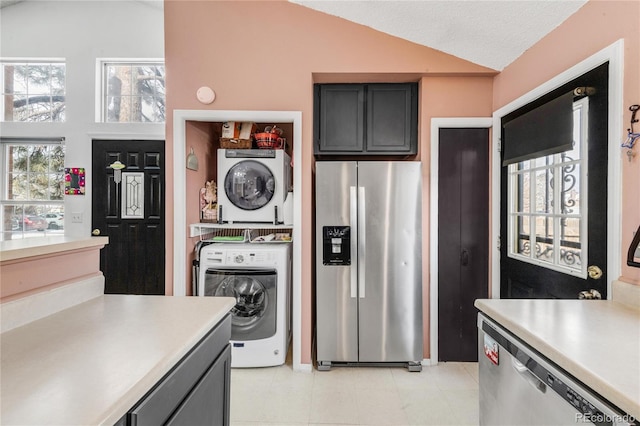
x: 32, y: 187
x: 547, y: 204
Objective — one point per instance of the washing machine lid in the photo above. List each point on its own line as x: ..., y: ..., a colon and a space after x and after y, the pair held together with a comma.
x: 249, y: 185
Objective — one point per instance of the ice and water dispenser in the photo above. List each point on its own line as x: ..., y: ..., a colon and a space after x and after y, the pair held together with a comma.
x: 336, y: 245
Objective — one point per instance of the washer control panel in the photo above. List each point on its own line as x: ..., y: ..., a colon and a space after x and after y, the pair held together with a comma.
x: 241, y: 256
x: 249, y: 258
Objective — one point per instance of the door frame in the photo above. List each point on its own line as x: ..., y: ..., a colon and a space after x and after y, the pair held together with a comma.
x: 613, y: 54
x: 436, y: 125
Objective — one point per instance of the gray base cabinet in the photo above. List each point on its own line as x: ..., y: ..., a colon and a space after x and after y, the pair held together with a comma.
x: 366, y: 119
x: 196, y: 391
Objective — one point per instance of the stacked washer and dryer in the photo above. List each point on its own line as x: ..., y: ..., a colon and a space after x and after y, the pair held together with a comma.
x: 252, y: 188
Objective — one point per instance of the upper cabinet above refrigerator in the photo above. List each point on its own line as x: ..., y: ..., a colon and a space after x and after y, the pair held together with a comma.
x: 365, y: 119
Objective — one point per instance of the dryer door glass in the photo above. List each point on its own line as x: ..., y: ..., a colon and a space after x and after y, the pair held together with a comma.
x: 249, y: 185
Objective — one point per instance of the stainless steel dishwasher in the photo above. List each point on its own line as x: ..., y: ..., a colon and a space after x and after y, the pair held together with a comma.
x: 518, y: 386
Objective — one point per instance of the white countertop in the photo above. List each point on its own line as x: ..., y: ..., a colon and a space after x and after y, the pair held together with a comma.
x: 597, y: 341
x: 90, y: 363
x: 28, y: 247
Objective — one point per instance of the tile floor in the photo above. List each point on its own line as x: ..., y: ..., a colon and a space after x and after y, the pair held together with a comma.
x: 446, y: 394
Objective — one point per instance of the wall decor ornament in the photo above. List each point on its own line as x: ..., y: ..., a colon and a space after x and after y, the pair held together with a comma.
x: 74, y: 181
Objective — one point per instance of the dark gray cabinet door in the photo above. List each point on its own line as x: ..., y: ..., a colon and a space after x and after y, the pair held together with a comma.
x: 392, y: 118
x: 366, y: 119
x: 339, y: 118
x: 196, y: 388
x: 209, y: 402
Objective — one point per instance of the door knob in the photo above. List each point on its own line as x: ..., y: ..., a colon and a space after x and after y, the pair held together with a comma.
x: 464, y: 257
x: 95, y: 232
x: 594, y: 272
x: 590, y: 294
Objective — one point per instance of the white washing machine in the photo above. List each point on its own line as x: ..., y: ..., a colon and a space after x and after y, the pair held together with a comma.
x: 253, y: 185
x: 258, y: 276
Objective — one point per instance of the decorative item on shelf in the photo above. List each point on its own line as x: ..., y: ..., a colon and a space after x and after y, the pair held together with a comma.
x: 192, y: 160
x: 237, y: 135
x: 271, y: 138
x: 74, y: 181
x: 632, y: 136
x: 208, y: 204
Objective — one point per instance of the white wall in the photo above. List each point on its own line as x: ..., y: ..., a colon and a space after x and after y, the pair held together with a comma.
x: 80, y: 32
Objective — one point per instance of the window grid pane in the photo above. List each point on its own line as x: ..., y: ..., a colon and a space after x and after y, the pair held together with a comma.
x: 33, y: 92
x: 32, y: 202
x: 545, y: 202
x: 133, y: 92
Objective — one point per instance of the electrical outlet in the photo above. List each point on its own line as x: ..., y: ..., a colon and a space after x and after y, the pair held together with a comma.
x: 76, y: 217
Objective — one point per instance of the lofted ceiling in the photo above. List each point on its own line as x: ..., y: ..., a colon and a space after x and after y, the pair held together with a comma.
x: 491, y: 33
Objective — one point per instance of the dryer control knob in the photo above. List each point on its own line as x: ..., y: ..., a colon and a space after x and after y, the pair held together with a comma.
x: 239, y: 258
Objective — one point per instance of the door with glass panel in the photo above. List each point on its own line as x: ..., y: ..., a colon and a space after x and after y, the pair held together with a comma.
x: 128, y: 207
x: 554, y: 205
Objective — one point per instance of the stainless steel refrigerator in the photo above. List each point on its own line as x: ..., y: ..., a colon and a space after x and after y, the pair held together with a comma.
x: 369, y: 263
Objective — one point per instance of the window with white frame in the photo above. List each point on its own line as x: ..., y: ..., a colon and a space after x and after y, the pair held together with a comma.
x: 32, y: 187
x: 547, y: 205
x: 132, y: 91
x: 33, y: 91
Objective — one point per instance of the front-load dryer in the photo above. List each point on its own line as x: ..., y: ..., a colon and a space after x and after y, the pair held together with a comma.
x: 253, y: 185
x: 258, y: 276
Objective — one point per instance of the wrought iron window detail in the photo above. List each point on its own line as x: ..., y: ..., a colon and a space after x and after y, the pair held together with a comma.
x: 570, y: 253
x: 547, y: 205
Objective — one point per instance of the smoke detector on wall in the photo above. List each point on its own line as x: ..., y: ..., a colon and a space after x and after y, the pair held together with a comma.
x: 206, y: 95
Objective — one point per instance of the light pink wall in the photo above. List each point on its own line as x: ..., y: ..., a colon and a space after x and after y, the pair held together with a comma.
x: 198, y: 137
x: 595, y: 26
x: 22, y: 277
x: 266, y: 55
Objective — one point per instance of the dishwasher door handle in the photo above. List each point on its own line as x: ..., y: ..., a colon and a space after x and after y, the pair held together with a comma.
x: 526, y: 374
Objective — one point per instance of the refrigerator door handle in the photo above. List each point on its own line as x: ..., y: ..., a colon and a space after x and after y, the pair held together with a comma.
x: 362, y: 267
x: 353, y: 223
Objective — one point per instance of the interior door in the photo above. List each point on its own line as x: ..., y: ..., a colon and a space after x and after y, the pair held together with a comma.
x: 389, y: 261
x: 526, y: 280
x: 463, y: 239
x: 128, y: 206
